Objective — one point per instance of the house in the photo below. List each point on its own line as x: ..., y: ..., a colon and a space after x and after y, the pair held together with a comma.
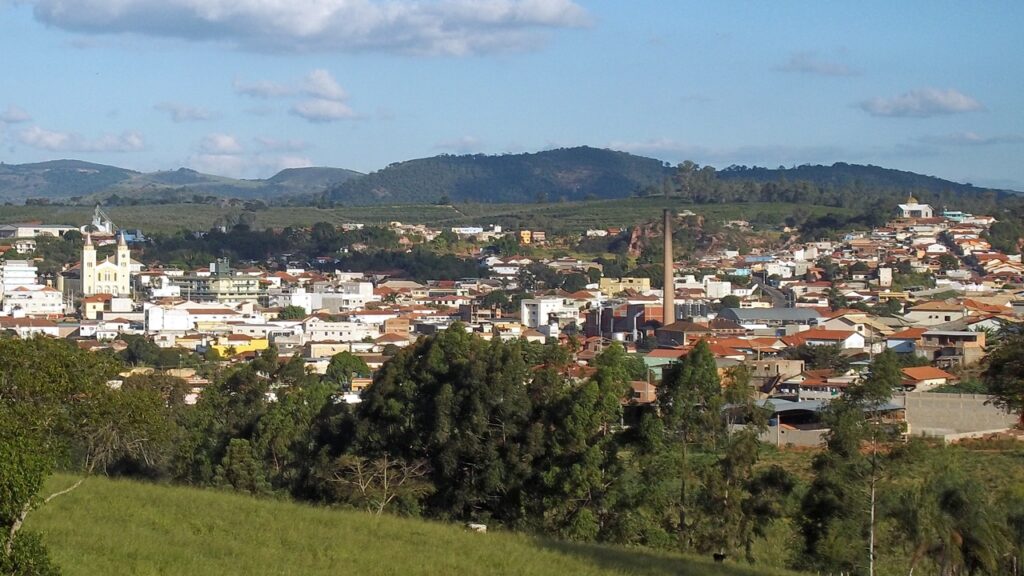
x: 33, y: 301
x: 656, y: 360
x: 612, y: 286
x: 232, y: 344
x: 681, y: 333
x: 935, y: 313
x: 950, y: 348
x: 906, y: 341
x: 846, y: 339
x: 924, y: 378
x: 26, y: 328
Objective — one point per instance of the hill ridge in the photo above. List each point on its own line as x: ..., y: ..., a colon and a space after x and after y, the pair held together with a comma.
x: 560, y: 174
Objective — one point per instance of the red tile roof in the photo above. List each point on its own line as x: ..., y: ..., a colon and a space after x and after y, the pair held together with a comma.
x: 926, y: 373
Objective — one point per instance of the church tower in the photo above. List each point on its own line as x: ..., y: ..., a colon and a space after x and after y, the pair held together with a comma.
x: 123, y: 260
x: 88, y: 268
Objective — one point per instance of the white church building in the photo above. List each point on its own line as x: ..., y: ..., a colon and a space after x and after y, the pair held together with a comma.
x: 112, y: 275
x: 914, y: 210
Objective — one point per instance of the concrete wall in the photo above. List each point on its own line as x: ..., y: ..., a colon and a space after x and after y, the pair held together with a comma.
x: 942, y: 414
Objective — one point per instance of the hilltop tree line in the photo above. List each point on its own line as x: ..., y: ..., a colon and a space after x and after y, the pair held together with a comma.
x: 515, y: 434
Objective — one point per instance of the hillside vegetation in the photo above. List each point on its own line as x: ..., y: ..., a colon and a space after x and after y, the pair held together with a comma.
x: 563, y: 174
x: 125, y: 527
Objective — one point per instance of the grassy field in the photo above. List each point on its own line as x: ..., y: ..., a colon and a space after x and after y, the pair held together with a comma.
x: 124, y: 527
x: 570, y: 216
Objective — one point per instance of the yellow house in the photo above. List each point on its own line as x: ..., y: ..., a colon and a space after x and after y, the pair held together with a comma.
x: 93, y: 306
x: 239, y: 343
x: 525, y: 236
x: 612, y: 286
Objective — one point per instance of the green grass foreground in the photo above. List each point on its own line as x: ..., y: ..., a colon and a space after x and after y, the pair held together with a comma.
x: 125, y: 527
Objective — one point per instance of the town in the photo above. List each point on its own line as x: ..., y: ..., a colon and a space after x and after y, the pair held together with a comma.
x: 805, y: 318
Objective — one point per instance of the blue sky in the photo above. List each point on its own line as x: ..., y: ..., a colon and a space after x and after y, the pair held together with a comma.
x: 247, y: 87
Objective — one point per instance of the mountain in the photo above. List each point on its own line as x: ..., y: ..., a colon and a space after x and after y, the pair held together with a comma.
x: 58, y: 179
x: 565, y: 173
x: 582, y: 173
x: 551, y: 175
x: 86, y: 182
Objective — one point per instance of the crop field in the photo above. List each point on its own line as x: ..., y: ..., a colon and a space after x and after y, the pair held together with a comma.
x: 557, y: 216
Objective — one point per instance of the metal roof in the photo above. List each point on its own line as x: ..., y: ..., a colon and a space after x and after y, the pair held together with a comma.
x: 742, y: 315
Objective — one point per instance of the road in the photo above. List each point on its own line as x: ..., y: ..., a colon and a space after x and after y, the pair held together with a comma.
x: 778, y: 297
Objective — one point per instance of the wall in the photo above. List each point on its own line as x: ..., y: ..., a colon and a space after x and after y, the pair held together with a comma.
x: 941, y: 414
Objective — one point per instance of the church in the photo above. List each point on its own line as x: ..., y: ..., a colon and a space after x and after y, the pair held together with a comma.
x: 111, y: 276
x: 914, y: 210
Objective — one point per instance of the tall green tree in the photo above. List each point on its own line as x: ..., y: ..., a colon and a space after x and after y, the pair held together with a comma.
x: 581, y: 461
x: 839, y: 510
x: 690, y: 403
x: 1004, y: 375
x: 461, y: 404
x: 345, y: 366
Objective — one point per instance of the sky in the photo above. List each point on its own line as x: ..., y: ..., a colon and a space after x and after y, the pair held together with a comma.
x: 245, y: 88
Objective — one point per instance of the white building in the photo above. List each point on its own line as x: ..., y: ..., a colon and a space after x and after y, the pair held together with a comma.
x: 111, y: 276
x: 33, y: 301
x: 716, y: 289
x: 33, y: 230
x: 539, y: 312
x: 914, y: 210
x: 17, y: 273
x: 318, y: 330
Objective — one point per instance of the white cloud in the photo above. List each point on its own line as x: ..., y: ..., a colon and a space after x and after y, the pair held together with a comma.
x: 429, y: 27
x: 54, y: 141
x: 274, y: 144
x: 326, y: 100
x: 274, y: 164
x: 321, y: 110
x: 971, y: 139
x: 320, y: 84
x: 921, y: 103
x: 262, y: 88
x: 811, y: 63
x: 14, y: 114
x: 183, y: 113
x: 230, y: 165
x: 220, y: 144
x: 461, y: 145
x: 245, y: 165
x: 224, y: 155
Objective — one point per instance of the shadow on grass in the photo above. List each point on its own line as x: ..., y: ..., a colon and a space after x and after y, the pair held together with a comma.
x: 647, y: 563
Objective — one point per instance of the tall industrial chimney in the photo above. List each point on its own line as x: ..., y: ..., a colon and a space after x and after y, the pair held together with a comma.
x: 668, y: 314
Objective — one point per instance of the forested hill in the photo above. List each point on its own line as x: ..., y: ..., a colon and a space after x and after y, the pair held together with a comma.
x: 566, y: 173
x: 842, y: 175
x: 585, y: 173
